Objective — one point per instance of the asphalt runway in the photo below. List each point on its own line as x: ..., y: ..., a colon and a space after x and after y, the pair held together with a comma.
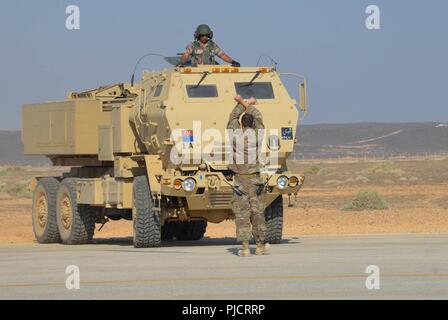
x: 410, y: 267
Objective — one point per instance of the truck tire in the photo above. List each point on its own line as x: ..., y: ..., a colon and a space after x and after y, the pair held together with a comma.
x: 170, y: 229
x: 274, y: 221
x: 192, y: 230
x: 45, y: 225
x: 146, y: 221
x: 76, y: 222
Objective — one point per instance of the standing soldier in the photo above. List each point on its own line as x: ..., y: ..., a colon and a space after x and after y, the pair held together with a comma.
x: 248, y: 205
x: 203, y: 49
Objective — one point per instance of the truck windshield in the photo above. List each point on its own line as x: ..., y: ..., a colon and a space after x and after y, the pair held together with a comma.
x: 258, y: 90
x: 204, y: 91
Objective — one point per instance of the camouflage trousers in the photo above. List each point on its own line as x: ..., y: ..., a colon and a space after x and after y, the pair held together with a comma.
x: 249, y: 209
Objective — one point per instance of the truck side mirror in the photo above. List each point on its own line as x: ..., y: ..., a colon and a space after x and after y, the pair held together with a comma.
x: 303, y: 103
x: 302, y: 95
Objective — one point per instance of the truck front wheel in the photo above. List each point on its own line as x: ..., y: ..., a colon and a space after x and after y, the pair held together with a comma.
x: 76, y: 222
x: 274, y: 221
x: 171, y: 229
x: 147, y: 229
x: 192, y: 230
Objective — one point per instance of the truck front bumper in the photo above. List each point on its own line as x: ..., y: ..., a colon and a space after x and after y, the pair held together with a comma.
x: 209, y: 191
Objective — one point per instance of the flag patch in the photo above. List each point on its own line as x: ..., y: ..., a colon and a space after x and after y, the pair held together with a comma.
x: 187, y: 136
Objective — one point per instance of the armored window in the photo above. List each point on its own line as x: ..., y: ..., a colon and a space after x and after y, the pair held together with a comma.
x: 158, y: 90
x: 205, y: 91
x: 258, y: 90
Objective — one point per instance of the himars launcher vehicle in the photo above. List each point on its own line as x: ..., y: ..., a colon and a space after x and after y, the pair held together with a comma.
x: 119, y: 141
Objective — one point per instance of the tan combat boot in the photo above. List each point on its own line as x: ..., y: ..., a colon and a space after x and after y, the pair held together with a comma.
x: 262, y: 249
x: 245, y: 251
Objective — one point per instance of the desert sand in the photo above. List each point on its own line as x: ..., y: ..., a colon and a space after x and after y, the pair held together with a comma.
x: 416, y: 193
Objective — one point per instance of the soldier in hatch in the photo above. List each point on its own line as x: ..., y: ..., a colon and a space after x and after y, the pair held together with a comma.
x: 203, y: 49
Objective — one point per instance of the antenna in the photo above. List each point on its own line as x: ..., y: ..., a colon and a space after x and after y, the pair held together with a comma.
x: 138, y: 62
x: 273, y: 62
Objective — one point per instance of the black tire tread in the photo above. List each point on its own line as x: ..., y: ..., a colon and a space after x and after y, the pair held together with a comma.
x: 192, y: 230
x: 83, y: 220
x: 51, y: 234
x: 147, y: 230
x: 169, y: 230
x: 274, y: 221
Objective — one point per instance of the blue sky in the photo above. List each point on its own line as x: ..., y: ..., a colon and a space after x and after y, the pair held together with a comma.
x: 396, y: 74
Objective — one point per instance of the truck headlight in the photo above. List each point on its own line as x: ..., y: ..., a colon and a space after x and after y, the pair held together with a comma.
x: 282, y: 182
x: 293, y: 181
x: 189, y: 184
x: 177, y: 184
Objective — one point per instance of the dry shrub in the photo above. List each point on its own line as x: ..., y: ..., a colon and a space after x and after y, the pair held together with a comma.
x: 387, y: 168
x: 328, y: 182
x: 313, y: 170
x: 362, y: 179
x: 9, y: 171
x: 366, y: 200
x: 17, y: 190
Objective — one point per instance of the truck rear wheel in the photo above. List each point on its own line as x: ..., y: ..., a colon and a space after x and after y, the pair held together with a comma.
x: 76, y: 222
x: 45, y: 225
x: 192, y: 230
x: 274, y: 221
x: 147, y: 230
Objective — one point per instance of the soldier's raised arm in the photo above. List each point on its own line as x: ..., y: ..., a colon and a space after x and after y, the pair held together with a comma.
x: 251, y: 109
x: 234, y: 117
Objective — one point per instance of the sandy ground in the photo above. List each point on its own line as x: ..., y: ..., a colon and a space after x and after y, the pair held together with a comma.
x: 416, y: 192
x: 413, y: 210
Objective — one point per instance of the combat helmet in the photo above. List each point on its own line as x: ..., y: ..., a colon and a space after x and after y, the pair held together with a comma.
x: 203, y: 29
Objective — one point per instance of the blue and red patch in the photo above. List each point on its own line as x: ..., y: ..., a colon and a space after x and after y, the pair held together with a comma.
x: 187, y: 136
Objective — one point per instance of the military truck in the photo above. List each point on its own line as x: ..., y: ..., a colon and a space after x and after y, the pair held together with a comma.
x: 119, y: 141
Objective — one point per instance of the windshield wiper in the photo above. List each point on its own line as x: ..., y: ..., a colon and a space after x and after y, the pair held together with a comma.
x: 204, y: 75
x: 253, y: 79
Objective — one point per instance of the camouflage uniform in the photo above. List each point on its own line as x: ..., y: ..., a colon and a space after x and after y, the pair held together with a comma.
x: 203, y: 54
x: 248, y: 208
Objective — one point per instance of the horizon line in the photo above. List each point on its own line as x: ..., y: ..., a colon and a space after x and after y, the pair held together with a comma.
x: 325, y: 123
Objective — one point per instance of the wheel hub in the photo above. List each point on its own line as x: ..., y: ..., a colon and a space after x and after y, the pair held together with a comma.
x: 42, y: 211
x: 66, y: 212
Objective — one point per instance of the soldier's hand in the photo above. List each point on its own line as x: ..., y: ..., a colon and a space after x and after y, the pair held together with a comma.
x: 251, y: 101
x: 239, y: 99
x: 235, y: 63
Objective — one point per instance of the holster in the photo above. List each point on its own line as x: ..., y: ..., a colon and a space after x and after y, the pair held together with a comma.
x: 260, y: 189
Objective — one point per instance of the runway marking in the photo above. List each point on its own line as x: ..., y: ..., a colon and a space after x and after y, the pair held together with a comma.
x: 311, y: 277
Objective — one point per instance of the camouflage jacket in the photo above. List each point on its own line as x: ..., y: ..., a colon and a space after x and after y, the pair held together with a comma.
x: 201, y: 54
x: 245, y: 146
